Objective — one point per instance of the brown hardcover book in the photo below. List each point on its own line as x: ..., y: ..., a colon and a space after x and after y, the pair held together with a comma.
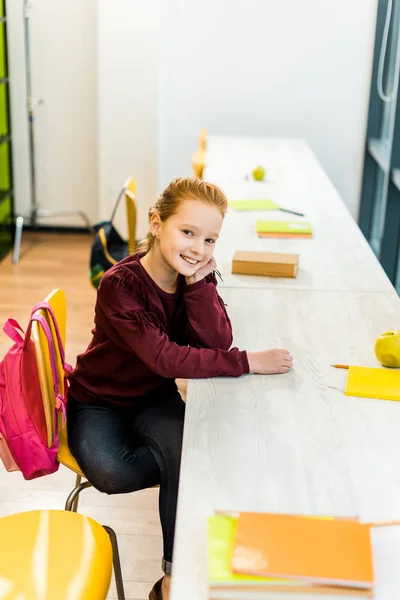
x: 272, y: 264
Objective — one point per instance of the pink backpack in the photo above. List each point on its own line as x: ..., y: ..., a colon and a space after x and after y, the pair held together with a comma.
x: 23, y: 431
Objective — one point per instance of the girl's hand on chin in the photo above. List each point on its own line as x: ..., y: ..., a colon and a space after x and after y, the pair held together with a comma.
x: 202, y: 272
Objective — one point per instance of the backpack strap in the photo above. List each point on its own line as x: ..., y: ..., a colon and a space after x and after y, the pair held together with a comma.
x: 121, y: 193
x: 60, y: 404
x: 46, y: 306
x: 10, y: 328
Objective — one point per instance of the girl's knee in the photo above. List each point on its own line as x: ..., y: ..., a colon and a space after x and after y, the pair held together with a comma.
x: 124, y: 472
x: 112, y: 481
x: 108, y: 479
x: 106, y: 485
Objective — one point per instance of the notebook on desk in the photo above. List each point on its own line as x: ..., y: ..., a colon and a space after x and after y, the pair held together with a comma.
x: 221, y: 538
x: 225, y: 584
x: 253, y: 205
x: 285, y: 235
x: 260, y: 204
x: 283, y: 228
x: 320, y: 551
x: 367, y: 382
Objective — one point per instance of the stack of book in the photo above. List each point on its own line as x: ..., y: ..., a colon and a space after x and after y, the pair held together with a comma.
x: 257, y: 556
x: 291, y: 229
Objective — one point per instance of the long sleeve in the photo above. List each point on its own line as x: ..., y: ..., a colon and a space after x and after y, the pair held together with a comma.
x: 208, y: 323
x: 138, y: 332
x: 132, y: 353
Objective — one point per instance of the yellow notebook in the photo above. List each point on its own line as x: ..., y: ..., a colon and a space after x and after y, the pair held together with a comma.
x: 253, y: 205
x: 287, y: 227
x: 373, y: 383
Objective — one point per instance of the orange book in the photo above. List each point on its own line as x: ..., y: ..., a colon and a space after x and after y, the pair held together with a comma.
x: 320, y: 551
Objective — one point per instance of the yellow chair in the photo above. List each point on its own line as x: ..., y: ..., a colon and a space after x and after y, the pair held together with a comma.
x: 198, y: 158
x: 129, y: 192
x: 53, y: 555
x: 58, y: 303
x: 131, y: 212
x: 203, y: 139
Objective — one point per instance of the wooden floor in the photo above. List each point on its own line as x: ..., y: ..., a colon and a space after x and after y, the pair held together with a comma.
x: 49, y: 261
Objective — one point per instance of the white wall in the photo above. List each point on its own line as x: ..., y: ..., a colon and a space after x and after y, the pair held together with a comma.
x: 63, y: 66
x: 18, y: 100
x: 128, y: 85
x: 95, y: 63
x: 127, y: 62
x: 287, y: 67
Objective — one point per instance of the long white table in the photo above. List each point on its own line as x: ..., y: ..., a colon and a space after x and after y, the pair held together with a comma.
x: 337, y: 257
x: 294, y: 442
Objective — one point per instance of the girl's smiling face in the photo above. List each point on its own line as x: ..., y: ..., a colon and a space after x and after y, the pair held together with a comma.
x: 187, y: 238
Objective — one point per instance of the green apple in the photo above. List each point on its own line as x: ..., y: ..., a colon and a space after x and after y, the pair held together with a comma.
x: 387, y: 349
x: 259, y: 173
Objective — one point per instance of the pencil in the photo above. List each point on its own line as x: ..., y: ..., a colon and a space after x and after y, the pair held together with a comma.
x: 293, y: 212
x: 340, y: 366
x: 381, y: 523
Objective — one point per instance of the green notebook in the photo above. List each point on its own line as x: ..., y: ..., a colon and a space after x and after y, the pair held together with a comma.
x: 221, y: 538
x: 253, y: 205
x: 288, y: 227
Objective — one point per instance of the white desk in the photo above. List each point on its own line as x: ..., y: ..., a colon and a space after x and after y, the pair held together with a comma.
x: 295, y: 442
x: 337, y: 257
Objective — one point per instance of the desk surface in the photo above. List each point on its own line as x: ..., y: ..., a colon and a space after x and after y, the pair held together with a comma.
x: 337, y: 257
x: 294, y: 442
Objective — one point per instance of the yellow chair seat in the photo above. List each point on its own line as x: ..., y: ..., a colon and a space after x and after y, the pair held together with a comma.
x: 53, y: 555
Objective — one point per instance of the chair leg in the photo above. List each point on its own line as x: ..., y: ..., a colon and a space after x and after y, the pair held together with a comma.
x: 75, y: 492
x: 116, y: 562
x: 19, y: 224
x: 78, y: 482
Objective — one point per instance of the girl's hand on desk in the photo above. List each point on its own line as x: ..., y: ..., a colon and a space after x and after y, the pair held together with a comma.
x: 269, y: 362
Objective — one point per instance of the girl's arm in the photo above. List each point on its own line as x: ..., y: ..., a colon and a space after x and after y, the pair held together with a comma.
x: 121, y: 315
x: 208, y: 323
x: 139, y: 332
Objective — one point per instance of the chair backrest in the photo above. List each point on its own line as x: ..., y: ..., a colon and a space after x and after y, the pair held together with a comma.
x: 203, y: 139
x: 58, y: 303
x: 198, y: 163
x: 131, y: 212
x: 198, y: 158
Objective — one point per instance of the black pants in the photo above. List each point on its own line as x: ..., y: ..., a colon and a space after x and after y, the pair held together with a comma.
x: 125, y: 449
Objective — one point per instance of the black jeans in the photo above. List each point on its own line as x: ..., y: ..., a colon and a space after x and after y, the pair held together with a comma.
x: 125, y: 449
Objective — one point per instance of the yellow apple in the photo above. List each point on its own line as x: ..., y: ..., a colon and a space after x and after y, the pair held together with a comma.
x: 259, y: 173
x: 387, y: 349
